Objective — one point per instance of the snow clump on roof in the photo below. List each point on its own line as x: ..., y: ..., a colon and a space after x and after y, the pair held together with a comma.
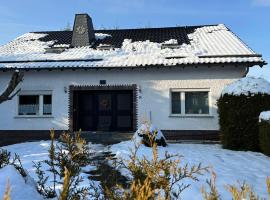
x: 101, y: 36
x: 28, y: 43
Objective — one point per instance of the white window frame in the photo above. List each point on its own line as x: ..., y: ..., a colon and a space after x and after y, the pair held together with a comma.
x: 39, y: 93
x: 182, y: 99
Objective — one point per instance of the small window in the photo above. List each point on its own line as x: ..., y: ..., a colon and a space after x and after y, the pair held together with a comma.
x: 176, y: 103
x: 196, y: 103
x: 170, y: 46
x: 28, y: 105
x: 47, y: 104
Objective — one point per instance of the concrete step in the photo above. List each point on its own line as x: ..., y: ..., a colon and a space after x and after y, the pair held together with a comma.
x: 106, y: 138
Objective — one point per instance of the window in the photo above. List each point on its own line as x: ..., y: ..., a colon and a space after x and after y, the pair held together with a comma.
x: 28, y: 105
x: 196, y: 103
x: 190, y: 102
x: 40, y: 105
x: 47, y: 104
x: 176, y: 103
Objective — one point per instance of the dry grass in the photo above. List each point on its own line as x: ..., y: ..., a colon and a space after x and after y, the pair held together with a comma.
x: 7, y: 192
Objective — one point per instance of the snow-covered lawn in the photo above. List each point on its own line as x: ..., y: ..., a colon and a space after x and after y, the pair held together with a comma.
x: 230, y: 166
x: 30, y: 152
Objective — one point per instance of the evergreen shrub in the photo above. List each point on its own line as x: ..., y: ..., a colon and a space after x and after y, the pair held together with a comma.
x: 238, y: 119
x: 264, y: 137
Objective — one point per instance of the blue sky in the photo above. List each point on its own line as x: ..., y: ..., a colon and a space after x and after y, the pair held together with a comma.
x: 250, y: 19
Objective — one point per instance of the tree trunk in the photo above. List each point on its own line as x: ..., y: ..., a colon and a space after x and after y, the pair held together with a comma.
x: 16, y: 78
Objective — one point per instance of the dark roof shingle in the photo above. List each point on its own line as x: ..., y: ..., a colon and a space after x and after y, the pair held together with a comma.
x: 158, y: 35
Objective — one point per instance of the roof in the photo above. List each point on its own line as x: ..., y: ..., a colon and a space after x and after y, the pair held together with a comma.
x: 210, y: 44
x: 157, y: 35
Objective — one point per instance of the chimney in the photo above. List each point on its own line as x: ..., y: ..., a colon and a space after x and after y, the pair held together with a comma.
x: 83, y: 31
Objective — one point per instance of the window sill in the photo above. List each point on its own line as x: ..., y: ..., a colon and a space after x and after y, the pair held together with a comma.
x: 34, y: 116
x: 191, y: 116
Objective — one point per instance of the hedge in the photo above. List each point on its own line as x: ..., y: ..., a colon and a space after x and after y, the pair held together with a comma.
x: 264, y: 137
x: 238, y: 120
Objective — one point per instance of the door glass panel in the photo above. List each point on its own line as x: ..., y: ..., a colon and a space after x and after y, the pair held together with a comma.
x: 87, y: 122
x: 87, y: 102
x: 104, y: 102
x: 123, y: 121
x: 123, y: 102
x: 104, y: 123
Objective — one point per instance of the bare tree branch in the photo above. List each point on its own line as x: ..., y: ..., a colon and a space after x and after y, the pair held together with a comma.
x: 16, y: 78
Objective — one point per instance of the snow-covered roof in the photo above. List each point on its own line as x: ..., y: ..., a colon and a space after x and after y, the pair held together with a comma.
x: 248, y: 85
x: 264, y: 116
x: 130, y: 48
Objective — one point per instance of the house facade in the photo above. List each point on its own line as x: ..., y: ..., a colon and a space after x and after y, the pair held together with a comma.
x: 113, y: 80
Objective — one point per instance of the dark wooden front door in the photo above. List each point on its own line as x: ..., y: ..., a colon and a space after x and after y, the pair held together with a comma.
x: 103, y: 110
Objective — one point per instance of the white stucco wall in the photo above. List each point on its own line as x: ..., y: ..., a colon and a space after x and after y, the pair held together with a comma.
x: 155, y: 94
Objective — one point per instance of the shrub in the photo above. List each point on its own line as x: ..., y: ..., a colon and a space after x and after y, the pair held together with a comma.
x: 4, y: 158
x: 65, y: 163
x: 238, y: 192
x: 146, y: 131
x: 155, y: 178
x: 238, y: 119
x: 264, y: 137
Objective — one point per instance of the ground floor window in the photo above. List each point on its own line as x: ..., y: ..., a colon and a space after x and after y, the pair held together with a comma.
x: 47, y: 104
x: 190, y: 102
x: 30, y: 104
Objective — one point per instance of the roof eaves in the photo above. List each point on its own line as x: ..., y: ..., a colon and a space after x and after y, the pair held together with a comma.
x: 50, y: 61
x: 183, y: 65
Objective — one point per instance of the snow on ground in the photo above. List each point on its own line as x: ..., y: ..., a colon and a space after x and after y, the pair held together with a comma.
x: 247, y: 85
x: 265, y: 116
x: 20, y: 190
x: 230, y: 166
x: 30, y: 152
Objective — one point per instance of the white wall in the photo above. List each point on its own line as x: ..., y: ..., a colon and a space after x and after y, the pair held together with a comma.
x: 155, y: 86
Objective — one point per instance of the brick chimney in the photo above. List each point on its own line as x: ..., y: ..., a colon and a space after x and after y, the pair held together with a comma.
x: 83, y: 31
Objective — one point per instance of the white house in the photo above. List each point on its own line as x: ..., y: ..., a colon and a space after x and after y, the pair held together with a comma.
x: 111, y: 80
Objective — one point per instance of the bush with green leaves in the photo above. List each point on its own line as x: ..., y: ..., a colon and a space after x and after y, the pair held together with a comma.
x: 239, y: 108
x: 264, y: 137
x: 238, y: 119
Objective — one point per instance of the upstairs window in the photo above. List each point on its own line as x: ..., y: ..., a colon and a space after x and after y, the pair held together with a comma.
x: 190, y: 102
x: 35, y: 105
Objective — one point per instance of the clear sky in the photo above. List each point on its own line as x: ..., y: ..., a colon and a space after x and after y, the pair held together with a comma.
x: 249, y: 19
